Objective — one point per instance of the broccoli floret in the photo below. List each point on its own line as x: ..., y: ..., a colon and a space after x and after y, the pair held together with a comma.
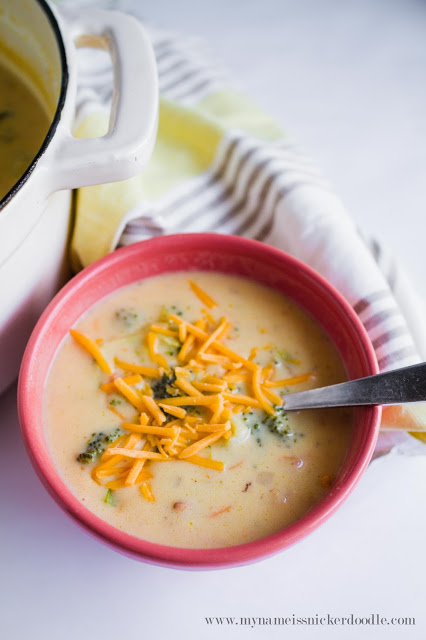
x: 162, y: 388
x: 285, y: 356
x: 278, y: 423
x: 109, y: 498
x: 166, y: 311
x: 97, y: 445
x: 128, y: 317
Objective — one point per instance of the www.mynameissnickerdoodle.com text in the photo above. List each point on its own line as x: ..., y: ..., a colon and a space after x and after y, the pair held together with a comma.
x: 373, y: 619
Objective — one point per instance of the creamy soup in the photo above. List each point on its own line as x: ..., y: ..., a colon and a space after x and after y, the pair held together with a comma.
x: 23, y: 126
x: 183, y: 375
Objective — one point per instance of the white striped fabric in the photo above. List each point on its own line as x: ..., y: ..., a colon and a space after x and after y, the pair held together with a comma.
x: 269, y: 191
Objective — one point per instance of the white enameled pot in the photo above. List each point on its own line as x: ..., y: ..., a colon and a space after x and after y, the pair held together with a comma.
x: 35, y: 214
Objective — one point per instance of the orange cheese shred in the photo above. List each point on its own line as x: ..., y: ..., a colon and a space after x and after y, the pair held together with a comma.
x: 187, y: 387
x: 92, y: 348
x: 206, y: 462
x: 154, y: 409
x: 149, y: 372
x: 109, y: 387
x: 134, y: 473
x: 116, y: 411
x: 132, y: 453
x: 215, y: 359
x: 182, y: 333
x: 217, y: 408
x: 152, y: 342
x: 238, y: 398
x: 186, y: 347
x: 178, y: 412
x: 264, y: 403
x: 213, y: 428
x: 201, y: 444
x: 202, y: 295
x: 183, y: 401
x: 209, y: 386
x: 147, y: 492
x: 304, y: 377
x: 129, y: 394
x: 214, y: 336
x: 272, y: 396
x: 163, y: 331
x: 151, y: 429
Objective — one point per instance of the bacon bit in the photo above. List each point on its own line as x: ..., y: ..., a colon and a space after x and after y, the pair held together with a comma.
x: 218, y: 513
x: 327, y: 481
x: 180, y: 505
x: 246, y: 487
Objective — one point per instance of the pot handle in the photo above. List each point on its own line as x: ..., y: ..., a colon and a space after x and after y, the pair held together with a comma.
x: 128, y: 145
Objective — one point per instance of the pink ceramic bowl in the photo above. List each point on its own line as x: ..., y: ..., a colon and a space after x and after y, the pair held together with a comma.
x: 208, y: 252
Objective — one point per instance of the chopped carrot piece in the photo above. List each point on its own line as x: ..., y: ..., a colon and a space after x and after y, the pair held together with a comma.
x: 224, y: 510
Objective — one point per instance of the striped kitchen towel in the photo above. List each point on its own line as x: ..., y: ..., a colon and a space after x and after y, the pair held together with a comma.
x: 220, y: 164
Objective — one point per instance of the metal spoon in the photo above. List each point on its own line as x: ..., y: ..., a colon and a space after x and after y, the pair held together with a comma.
x: 394, y: 387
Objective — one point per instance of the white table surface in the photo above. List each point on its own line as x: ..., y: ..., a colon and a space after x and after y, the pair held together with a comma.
x: 346, y: 77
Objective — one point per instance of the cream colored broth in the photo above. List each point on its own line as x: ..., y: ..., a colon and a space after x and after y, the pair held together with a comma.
x: 23, y: 126
x: 268, y: 481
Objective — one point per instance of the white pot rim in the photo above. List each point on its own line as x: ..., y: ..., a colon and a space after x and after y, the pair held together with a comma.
x: 60, y: 104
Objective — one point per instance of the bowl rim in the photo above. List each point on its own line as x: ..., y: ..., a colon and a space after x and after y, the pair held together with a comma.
x: 132, y: 545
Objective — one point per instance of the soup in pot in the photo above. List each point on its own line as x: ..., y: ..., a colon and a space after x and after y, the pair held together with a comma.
x: 164, y: 410
x: 24, y: 123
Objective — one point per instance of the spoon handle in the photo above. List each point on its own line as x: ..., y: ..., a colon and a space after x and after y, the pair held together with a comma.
x: 394, y: 387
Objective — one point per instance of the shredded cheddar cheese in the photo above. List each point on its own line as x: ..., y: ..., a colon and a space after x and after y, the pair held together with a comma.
x: 152, y: 340
x: 147, y: 492
x: 289, y: 381
x: 178, y: 412
x: 149, y: 372
x: 109, y: 387
x: 165, y: 429
x: 129, y: 393
x: 92, y: 348
x: 202, y: 295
